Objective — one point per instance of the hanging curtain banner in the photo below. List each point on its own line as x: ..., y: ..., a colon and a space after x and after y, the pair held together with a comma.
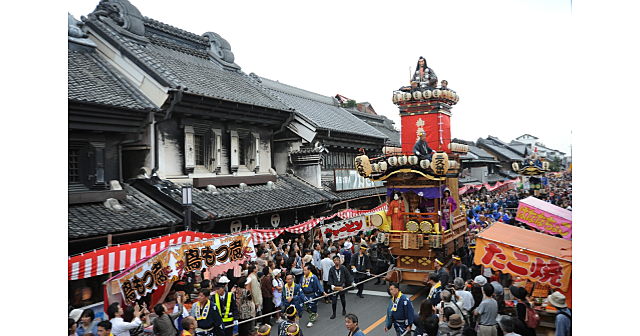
x: 346, y: 228
x: 172, y: 263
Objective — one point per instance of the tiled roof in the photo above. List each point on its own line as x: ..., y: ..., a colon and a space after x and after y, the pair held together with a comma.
x: 480, y: 153
x: 91, y: 79
x: 139, y: 212
x: 353, y: 194
x: 381, y: 123
x: 504, y: 152
x: 185, y: 67
x: 320, y: 110
x: 233, y: 202
x: 492, y: 178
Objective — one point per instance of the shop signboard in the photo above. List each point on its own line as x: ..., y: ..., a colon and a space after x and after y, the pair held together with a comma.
x: 545, y: 216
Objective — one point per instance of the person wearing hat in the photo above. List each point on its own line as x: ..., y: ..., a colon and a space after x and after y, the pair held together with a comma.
x: 207, y: 316
x: 293, y: 330
x: 226, y: 305
x: 521, y: 309
x: 442, y: 273
x: 312, y: 288
x: 436, y: 289
x: 361, y: 266
x: 421, y: 149
x: 291, y: 314
x: 345, y: 251
x: 563, y: 317
x: 455, y: 324
x: 339, y: 279
x: 458, y: 269
x: 400, y: 313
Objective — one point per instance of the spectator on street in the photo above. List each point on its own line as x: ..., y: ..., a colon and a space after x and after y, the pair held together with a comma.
x: 163, y: 324
x: 563, y: 317
x: 104, y: 328
x: 88, y: 323
x: 118, y: 326
x: 467, y: 298
x: 488, y: 311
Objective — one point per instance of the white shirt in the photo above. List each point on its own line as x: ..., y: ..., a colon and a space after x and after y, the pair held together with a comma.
x: 121, y: 328
x: 317, y: 258
x: 467, y: 300
x: 185, y: 313
x: 326, y: 265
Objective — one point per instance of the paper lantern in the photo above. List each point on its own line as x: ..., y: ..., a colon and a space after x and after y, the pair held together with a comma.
x: 399, y: 97
x: 436, y: 93
x: 417, y: 95
x: 407, y: 96
x: 402, y: 160
x: 375, y: 167
x: 413, y: 160
x: 426, y: 94
x: 424, y: 164
x: 382, y: 166
x: 453, y: 164
x: 456, y: 98
x: 445, y: 94
x: 392, y: 161
x: 545, y: 165
x: 440, y: 163
x: 363, y: 166
x: 515, y: 166
x: 394, y: 98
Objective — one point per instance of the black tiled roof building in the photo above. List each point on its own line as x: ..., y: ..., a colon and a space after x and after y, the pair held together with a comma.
x: 354, y: 194
x: 382, y: 124
x: 138, y: 212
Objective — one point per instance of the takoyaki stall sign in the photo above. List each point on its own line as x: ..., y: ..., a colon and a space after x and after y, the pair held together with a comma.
x: 545, y: 216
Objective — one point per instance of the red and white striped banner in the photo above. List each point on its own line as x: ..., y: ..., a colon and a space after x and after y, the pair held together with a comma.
x: 118, y: 257
x: 509, y: 184
x: 348, y: 213
x: 263, y: 236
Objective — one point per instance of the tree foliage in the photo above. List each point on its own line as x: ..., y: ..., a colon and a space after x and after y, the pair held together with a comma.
x: 555, y: 165
x: 349, y: 103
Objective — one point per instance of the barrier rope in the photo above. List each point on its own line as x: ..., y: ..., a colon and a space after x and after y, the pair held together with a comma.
x: 320, y: 297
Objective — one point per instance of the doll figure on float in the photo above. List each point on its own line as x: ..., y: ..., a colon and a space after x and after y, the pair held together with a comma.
x: 395, y: 210
x: 448, y: 206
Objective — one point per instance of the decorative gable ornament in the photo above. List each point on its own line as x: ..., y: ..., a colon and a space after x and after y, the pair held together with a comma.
x: 275, y: 220
x: 236, y: 226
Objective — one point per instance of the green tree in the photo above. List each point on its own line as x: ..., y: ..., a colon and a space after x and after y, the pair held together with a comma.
x: 555, y: 164
x: 349, y: 103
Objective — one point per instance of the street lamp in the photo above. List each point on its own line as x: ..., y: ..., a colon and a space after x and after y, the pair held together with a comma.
x: 186, y: 203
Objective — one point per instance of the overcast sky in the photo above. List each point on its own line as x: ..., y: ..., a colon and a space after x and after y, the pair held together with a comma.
x: 509, y: 61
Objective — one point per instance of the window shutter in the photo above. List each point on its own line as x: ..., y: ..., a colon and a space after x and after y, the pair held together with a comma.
x: 234, y: 150
x: 217, y: 135
x: 189, y: 150
x: 256, y: 153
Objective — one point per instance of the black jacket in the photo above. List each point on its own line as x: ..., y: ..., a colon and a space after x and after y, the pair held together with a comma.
x: 223, y: 306
x: 362, y: 264
x: 462, y: 272
x: 345, y: 277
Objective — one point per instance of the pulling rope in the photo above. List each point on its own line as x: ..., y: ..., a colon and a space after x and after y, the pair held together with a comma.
x: 320, y: 297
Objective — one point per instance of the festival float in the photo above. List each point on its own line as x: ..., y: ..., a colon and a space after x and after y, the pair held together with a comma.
x: 533, y: 169
x: 422, y: 224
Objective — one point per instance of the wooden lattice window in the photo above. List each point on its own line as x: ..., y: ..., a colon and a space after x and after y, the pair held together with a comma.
x: 199, y: 150
x: 74, y: 165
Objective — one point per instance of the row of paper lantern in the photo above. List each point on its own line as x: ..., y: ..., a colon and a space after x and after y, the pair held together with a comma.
x: 426, y: 94
x: 516, y: 166
x: 460, y: 148
x: 392, y: 161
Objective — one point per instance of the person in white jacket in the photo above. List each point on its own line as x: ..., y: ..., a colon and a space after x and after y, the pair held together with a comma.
x: 118, y: 326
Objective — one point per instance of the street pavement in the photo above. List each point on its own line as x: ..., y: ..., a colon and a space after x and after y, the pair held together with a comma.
x: 371, y: 311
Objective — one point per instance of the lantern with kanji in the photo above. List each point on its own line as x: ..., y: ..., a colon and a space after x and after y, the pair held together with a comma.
x: 440, y: 163
x: 363, y: 166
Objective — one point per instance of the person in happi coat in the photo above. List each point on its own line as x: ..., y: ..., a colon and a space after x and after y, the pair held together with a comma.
x: 292, y: 295
x: 339, y: 280
x: 421, y: 149
x: 395, y: 210
x: 448, y: 206
x: 312, y: 288
x: 459, y: 270
x: 400, y: 311
x: 207, y: 316
x: 291, y: 314
x: 361, y: 266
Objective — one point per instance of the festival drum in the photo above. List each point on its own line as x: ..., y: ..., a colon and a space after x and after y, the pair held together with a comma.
x: 417, y: 95
x: 426, y: 226
x: 426, y: 94
x: 412, y: 226
x: 380, y: 221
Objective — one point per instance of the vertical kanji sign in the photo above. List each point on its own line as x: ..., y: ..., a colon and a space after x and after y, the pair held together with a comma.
x: 556, y: 273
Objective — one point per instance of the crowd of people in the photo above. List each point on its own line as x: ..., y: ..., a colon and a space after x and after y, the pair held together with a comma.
x: 284, y: 277
x: 290, y: 278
